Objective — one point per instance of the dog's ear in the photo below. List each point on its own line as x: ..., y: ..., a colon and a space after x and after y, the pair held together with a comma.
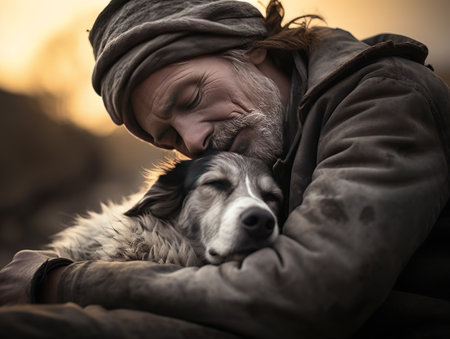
x: 166, y: 195
x: 165, y: 198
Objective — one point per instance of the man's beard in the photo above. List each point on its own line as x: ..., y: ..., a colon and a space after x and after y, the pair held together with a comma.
x: 264, y: 125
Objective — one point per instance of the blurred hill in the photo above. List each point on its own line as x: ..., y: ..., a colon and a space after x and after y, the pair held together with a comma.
x: 50, y: 171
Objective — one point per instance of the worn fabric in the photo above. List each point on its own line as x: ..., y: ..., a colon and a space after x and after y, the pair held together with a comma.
x: 364, y: 246
x: 72, y: 321
x: 21, y: 279
x: 132, y: 39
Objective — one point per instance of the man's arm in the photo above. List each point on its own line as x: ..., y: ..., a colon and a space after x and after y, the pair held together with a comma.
x: 23, y: 279
x: 48, y: 293
x: 73, y: 321
x: 380, y: 182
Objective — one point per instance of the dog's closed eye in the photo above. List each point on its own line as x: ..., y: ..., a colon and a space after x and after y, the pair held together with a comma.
x: 223, y: 185
x: 271, y: 197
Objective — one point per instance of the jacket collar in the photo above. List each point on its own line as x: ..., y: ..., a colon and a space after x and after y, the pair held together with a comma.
x: 291, y: 125
x: 337, y: 55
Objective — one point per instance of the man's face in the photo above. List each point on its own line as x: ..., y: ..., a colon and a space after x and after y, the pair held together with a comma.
x: 207, y: 103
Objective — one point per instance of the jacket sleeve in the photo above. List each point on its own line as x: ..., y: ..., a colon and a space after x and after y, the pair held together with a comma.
x: 22, y: 278
x: 380, y: 182
x: 72, y: 321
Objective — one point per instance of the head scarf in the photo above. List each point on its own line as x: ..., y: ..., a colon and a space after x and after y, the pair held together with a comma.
x: 132, y: 39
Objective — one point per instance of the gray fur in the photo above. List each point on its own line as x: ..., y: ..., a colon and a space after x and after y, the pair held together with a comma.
x: 205, y: 222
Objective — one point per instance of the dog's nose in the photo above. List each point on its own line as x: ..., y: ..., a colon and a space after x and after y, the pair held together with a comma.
x: 258, y: 222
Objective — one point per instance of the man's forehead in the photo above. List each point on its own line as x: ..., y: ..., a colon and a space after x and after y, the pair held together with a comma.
x: 155, y: 87
x: 164, y: 78
x: 179, y: 69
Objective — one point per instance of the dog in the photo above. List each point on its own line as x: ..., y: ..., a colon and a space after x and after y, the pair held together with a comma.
x: 209, y: 210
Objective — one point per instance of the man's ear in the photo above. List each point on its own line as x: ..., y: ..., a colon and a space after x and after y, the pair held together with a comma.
x: 257, y: 56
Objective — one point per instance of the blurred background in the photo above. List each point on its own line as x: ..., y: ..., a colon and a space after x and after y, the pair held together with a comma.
x: 60, y: 153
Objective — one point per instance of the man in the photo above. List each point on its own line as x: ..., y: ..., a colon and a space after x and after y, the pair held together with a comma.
x: 357, y: 133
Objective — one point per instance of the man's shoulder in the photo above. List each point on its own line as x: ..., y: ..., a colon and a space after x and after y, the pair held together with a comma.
x: 339, y: 53
x: 337, y: 39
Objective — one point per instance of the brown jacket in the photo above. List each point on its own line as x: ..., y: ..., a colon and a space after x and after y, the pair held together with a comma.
x: 365, y: 239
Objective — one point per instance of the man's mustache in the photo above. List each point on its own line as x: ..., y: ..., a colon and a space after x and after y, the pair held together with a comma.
x: 225, y: 132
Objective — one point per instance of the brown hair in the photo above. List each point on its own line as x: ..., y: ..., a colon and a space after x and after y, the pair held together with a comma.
x: 283, y: 39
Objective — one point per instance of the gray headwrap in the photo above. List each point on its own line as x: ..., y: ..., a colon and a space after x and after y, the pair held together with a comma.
x: 132, y: 39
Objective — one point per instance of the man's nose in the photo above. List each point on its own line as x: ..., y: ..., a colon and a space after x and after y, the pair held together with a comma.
x: 195, y: 134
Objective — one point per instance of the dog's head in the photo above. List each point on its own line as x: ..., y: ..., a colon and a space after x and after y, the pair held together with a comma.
x: 225, y: 204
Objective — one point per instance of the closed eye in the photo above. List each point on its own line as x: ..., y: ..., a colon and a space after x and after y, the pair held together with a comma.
x: 192, y: 95
x: 271, y: 197
x: 195, y: 101
x: 218, y: 184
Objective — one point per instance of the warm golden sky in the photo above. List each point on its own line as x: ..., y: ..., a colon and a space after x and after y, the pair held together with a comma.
x: 44, y: 44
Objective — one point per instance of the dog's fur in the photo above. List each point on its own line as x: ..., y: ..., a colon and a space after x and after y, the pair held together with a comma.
x: 210, y: 210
